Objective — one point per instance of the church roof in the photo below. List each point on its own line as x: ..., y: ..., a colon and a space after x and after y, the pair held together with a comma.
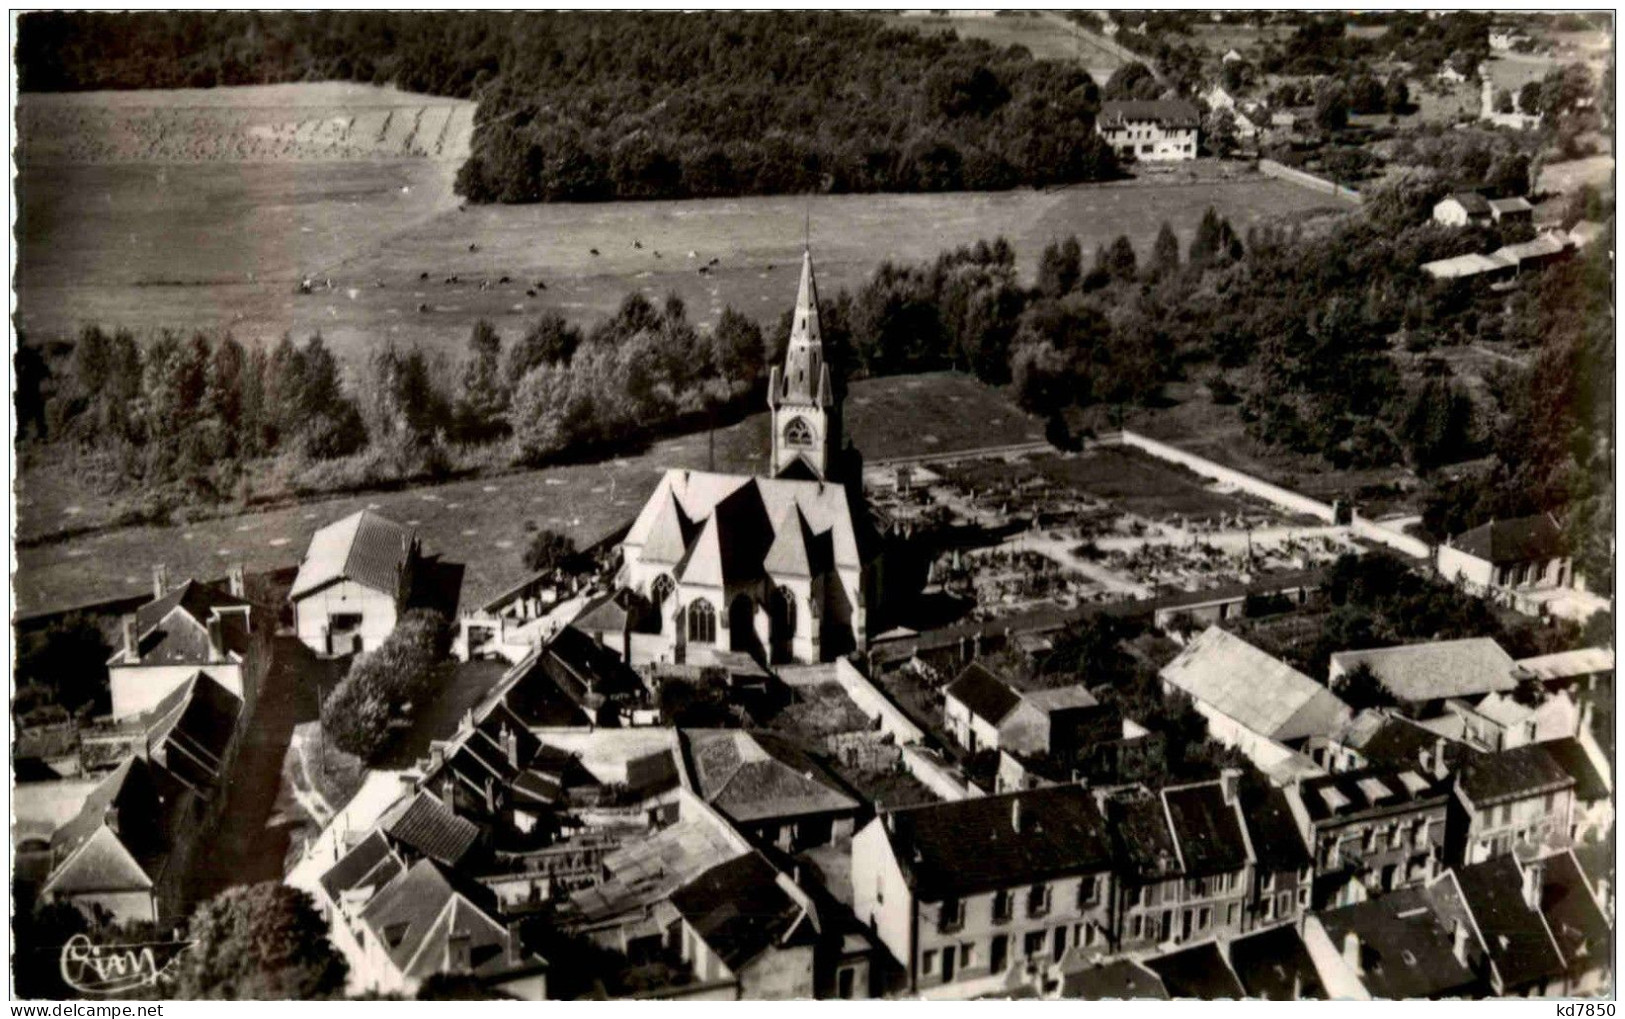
x: 669, y: 534
x: 740, y: 520
x: 804, y: 326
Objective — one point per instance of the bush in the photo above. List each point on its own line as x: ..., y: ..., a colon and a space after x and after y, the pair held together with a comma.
x: 395, y: 679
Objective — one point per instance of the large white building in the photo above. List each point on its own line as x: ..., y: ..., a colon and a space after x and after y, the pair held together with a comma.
x: 353, y: 583
x: 782, y: 567
x: 1155, y: 130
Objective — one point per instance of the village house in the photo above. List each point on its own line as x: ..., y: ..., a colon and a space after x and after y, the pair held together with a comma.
x: 1581, y: 672
x: 1395, y: 946
x: 1583, y: 934
x: 1372, y: 831
x: 1088, y: 977
x: 962, y: 893
x: 768, y: 788
x: 571, y: 679
x: 353, y: 584
x: 1502, y: 722
x: 183, y: 630
x: 1498, y: 902
x: 1583, y: 760
x: 983, y: 712
x: 1512, y: 210
x: 1150, y: 130
x: 1253, y: 702
x: 1462, y: 208
x: 743, y: 921
x: 1505, y: 39
x: 1283, y: 867
x: 1517, y: 801
x: 1274, y: 965
x: 1378, y: 736
x: 1198, y: 971
x: 1509, y: 555
x: 784, y: 568
x: 1184, y: 863
x: 1422, y: 677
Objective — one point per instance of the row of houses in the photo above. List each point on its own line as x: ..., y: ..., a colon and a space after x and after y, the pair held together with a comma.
x: 1509, y: 260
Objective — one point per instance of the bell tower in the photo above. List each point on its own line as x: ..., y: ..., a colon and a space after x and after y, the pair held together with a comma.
x: 806, y: 412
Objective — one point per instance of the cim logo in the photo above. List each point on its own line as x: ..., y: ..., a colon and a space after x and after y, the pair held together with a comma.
x: 100, y: 970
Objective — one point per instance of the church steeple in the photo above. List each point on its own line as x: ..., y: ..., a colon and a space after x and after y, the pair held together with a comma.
x: 806, y: 415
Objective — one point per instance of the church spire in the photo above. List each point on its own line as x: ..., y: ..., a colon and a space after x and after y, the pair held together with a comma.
x: 804, y: 329
x: 806, y: 410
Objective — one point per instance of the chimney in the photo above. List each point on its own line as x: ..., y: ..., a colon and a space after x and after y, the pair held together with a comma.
x: 490, y: 795
x: 457, y: 952
x: 110, y: 818
x: 448, y: 785
x: 1585, y: 719
x: 1351, y: 950
x: 217, y: 640
x: 160, y: 581
x: 1459, y: 942
x: 510, y: 746
x: 132, y: 644
x: 1015, y: 814
x: 236, y: 583
x: 437, y: 756
x: 512, y: 942
x: 1440, y: 769
x: 1297, y: 985
x: 1230, y: 783
x: 1531, y: 886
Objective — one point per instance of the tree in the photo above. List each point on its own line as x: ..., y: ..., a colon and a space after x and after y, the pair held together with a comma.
x: 1397, y: 95
x: 1165, y: 253
x: 550, y: 340
x: 69, y: 658
x: 259, y: 941
x: 1208, y: 241
x: 1360, y: 688
x: 391, y: 680
x: 482, y: 399
x: 1132, y: 81
x: 1120, y: 259
x: 1331, y: 106
x: 550, y: 551
x: 1503, y: 101
x: 1529, y: 98
x: 1509, y: 175
x: 1060, y: 266
x: 738, y: 351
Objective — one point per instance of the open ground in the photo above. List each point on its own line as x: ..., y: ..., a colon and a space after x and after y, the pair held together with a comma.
x: 1047, y: 35
x: 223, y: 242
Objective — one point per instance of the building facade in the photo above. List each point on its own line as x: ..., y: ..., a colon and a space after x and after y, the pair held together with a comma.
x: 1150, y: 130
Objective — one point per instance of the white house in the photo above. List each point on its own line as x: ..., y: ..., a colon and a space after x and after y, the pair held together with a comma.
x: 1155, y: 130
x: 1524, y: 553
x: 353, y: 583
x: 1462, y: 209
x: 192, y: 628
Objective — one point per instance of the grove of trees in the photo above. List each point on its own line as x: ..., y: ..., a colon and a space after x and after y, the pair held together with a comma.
x: 389, y: 683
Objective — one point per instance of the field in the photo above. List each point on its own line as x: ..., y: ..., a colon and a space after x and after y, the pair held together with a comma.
x: 482, y: 523
x: 1046, y: 35
x: 223, y: 243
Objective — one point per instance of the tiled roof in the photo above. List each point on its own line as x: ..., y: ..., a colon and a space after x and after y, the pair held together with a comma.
x: 738, y: 908
x: 971, y: 846
x: 1141, y: 839
x: 371, y: 863
x: 1407, y: 949
x: 190, y: 729
x: 167, y: 636
x: 1523, y: 771
x: 1197, y: 972
x: 1596, y: 860
x: 1398, y: 742
x: 1518, y: 540
x: 1572, y: 915
x: 1087, y: 979
x: 1571, y: 756
x: 1164, y: 112
x: 1277, y: 842
x: 1513, y: 933
x: 1568, y: 664
x: 364, y: 547
x: 583, y: 666
x: 1207, y: 829
x: 1510, y: 205
x: 1354, y: 792
x: 1274, y: 964
x: 428, y: 826
x: 1475, y: 203
x: 89, y: 855
x: 1436, y: 670
x: 987, y: 696
x: 1262, y: 693
x: 758, y: 776
x: 415, y: 916
x: 1061, y: 698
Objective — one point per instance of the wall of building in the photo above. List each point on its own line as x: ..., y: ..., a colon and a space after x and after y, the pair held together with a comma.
x: 1341, y: 982
x: 880, y: 897
x: 1496, y: 829
x: 1340, y: 848
x: 874, y: 703
x: 137, y: 688
x: 778, y: 974
x: 312, y: 613
x: 933, y: 774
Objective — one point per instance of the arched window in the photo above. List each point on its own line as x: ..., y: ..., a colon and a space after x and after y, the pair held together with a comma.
x: 784, y: 613
x: 662, y: 589
x: 702, y: 622
x: 798, y: 433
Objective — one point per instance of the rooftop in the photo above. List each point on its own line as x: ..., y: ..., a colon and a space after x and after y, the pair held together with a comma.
x: 1164, y: 112
x: 1512, y: 932
x: 1208, y: 829
x: 1197, y: 972
x: 739, y: 907
x: 987, y: 696
x: 1518, y: 540
x: 1570, y: 755
x: 1475, y: 203
x: 1568, y: 664
x: 1276, y: 841
x: 1355, y: 792
x: 1274, y: 964
x: 755, y: 776
x: 174, y: 629
x: 1407, y: 949
x: 1085, y: 978
x: 424, y: 823
x: 1528, y: 770
x: 991, y: 842
x: 1577, y: 923
x: 1260, y: 692
x: 1436, y: 670
x: 364, y: 547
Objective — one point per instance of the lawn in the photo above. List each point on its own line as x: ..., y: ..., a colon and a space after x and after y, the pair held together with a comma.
x: 1046, y: 35
x: 481, y: 523
x: 221, y: 243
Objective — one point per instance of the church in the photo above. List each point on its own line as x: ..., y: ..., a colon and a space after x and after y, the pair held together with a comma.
x: 783, y: 568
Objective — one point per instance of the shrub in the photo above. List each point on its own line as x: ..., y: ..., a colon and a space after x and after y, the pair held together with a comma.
x: 396, y: 678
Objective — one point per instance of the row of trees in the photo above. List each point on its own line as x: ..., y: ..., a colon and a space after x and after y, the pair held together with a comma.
x: 639, y: 105
x: 384, y: 685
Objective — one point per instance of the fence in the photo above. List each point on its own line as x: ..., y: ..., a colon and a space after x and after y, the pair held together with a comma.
x: 872, y: 702
x: 932, y: 774
x: 1380, y: 534
x: 1270, y: 168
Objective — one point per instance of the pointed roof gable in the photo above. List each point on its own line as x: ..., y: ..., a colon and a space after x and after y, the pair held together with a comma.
x: 190, y: 730
x: 364, y: 547
x: 752, y: 776
x: 788, y: 555
x: 702, y: 563
x: 429, y: 826
x: 415, y: 915
x: 102, y: 863
x: 669, y: 533
x: 804, y: 327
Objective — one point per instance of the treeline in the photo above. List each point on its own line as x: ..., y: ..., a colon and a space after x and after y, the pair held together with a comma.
x: 577, y: 107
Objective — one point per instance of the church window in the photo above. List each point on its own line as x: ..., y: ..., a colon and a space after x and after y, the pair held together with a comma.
x: 661, y: 589
x: 784, y: 610
x: 798, y: 433
x: 702, y: 622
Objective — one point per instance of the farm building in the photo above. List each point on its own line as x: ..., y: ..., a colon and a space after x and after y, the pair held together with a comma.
x: 1245, y: 694
x: 1154, y: 130
x: 983, y: 712
x: 1421, y: 677
x: 353, y: 583
x: 1506, y: 555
